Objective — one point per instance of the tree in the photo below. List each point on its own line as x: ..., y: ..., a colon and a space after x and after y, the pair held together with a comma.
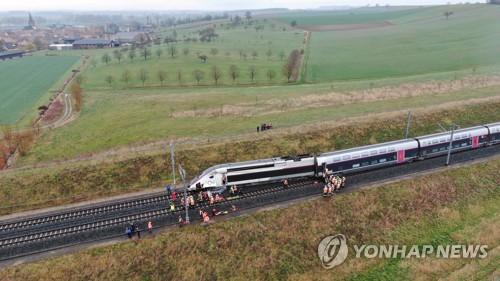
x: 159, y: 52
x: 76, y: 91
x: 79, y: 79
x: 203, y: 57
x: 271, y: 73
x: 172, y: 50
x: 179, y: 76
x: 214, y: 52
x: 162, y: 75
x: 118, y: 55
x: 106, y: 58
x: 216, y: 73
x: 282, y: 54
x: 289, y: 68
x: 143, y: 75
x: 244, y: 56
x: 234, y: 72
x: 110, y: 79
x: 227, y: 54
x: 208, y: 34
x: 248, y: 15
x: 269, y: 53
x: 132, y: 54
x: 254, y: 54
x: 126, y: 76
x: 294, y: 23
x: 185, y: 51
x: 145, y: 52
x: 198, y: 75
x: 447, y: 14
x: 252, y: 72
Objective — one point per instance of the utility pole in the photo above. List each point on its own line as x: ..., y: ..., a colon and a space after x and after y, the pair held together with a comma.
x: 453, y: 126
x: 183, y: 175
x: 173, y: 161
x: 408, y: 124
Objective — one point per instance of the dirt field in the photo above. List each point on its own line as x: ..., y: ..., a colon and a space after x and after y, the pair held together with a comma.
x: 345, y: 27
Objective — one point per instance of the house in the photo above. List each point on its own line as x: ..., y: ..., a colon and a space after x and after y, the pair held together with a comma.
x: 10, y: 55
x: 92, y: 44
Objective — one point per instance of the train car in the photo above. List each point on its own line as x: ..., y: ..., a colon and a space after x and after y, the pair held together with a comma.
x: 367, y: 157
x: 251, y: 172
x: 493, y: 133
x: 437, y: 144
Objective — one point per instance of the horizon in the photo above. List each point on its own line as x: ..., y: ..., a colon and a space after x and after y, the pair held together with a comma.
x: 197, y: 5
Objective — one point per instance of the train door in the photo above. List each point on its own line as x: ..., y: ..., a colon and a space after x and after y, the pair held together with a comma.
x: 401, y: 156
x: 475, y: 141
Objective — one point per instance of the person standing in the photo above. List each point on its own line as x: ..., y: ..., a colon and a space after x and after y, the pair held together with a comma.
x: 138, y: 232
x: 150, y: 226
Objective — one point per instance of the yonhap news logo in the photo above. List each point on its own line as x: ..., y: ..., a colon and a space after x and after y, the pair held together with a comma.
x: 333, y: 251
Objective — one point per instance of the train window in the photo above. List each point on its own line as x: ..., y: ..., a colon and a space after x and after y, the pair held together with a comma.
x: 212, y: 177
x: 346, y: 157
x: 463, y: 136
x: 373, y: 152
x: 435, y: 150
x: 382, y: 160
x: 435, y: 141
x: 391, y: 149
x: 355, y: 165
x: 442, y: 148
x: 456, y: 137
x: 365, y: 164
x: 442, y: 140
x: 336, y: 159
x: 364, y: 154
x: 374, y: 162
x: 382, y: 150
x: 355, y: 156
x: 464, y: 144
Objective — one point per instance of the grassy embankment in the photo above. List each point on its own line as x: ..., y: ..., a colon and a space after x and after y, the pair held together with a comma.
x: 73, y: 182
x: 452, y: 207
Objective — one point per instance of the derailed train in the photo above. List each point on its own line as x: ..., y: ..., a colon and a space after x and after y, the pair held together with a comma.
x: 346, y: 161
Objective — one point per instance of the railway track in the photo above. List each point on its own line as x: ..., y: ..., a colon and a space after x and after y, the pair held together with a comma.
x: 29, y: 236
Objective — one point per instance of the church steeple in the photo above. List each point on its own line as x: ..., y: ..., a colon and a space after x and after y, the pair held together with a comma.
x: 31, y: 22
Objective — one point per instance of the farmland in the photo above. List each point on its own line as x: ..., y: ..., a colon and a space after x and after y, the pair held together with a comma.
x: 26, y: 82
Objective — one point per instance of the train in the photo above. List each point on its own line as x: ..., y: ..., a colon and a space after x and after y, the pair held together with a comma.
x: 343, y: 162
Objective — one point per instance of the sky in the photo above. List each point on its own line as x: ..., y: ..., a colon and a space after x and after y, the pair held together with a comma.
x: 214, y: 5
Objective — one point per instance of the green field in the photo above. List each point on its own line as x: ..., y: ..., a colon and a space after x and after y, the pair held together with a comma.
x: 24, y: 81
x: 418, y: 43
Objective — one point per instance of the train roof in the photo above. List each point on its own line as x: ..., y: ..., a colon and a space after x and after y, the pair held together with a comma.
x: 392, y: 143
x: 447, y: 133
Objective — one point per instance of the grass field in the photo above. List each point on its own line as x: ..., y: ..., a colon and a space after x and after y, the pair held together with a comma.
x: 24, y: 81
x: 418, y: 43
x: 438, y: 209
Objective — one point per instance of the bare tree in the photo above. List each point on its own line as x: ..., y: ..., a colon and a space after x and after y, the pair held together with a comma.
x: 294, y: 23
x: 203, y: 58
x: 269, y: 53
x: 110, y: 79
x: 216, y: 73
x: 185, y: 51
x: 447, y: 14
x: 214, y: 52
x: 234, y: 72
x: 244, y: 56
x: 252, y: 72
x: 227, y: 55
x: 106, y: 58
x: 179, y: 76
x: 159, y: 52
x: 79, y: 79
x: 145, y: 52
x: 282, y: 55
x: 172, y: 50
x: 254, y: 54
x: 162, y: 75
x: 132, y: 54
x: 126, y: 76
x: 198, y: 75
x: 271, y: 73
x: 118, y: 55
x: 143, y: 75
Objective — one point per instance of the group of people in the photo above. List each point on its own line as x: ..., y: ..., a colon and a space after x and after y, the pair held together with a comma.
x: 333, y: 183
x: 132, y: 229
